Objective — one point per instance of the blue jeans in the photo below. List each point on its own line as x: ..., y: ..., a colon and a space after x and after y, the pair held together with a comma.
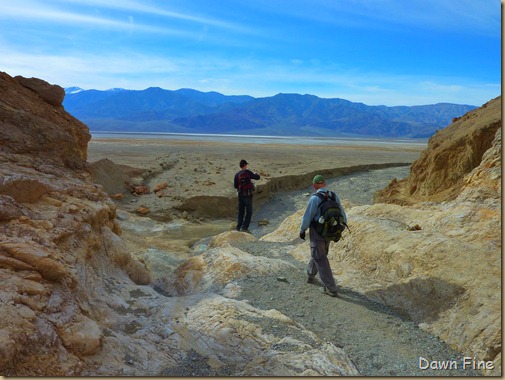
x: 245, y: 205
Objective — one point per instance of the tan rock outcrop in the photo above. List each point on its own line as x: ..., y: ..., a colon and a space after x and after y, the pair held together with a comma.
x: 49, y: 93
x: 221, y: 264
x: 452, y: 153
x: 55, y: 227
x: 37, y: 128
x: 224, y: 330
x: 233, y: 333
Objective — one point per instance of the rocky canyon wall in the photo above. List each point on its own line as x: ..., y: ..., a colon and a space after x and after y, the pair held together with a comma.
x: 453, y: 152
x: 59, y: 237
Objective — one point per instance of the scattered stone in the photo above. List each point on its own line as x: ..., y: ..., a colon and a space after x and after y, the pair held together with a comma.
x: 143, y: 210
x: 73, y: 209
x: 160, y: 186
x: 416, y: 227
x: 140, y: 190
x: 117, y: 196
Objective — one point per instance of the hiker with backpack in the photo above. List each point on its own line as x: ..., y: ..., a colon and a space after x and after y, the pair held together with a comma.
x: 245, y: 187
x: 326, y: 219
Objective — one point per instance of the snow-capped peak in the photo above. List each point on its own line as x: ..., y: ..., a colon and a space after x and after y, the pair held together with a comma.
x: 73, y: 90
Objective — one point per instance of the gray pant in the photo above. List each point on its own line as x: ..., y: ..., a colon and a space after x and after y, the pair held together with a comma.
x: 319, y: 263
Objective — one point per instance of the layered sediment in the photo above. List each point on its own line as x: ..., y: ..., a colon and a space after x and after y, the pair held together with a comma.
x: 452, y: 153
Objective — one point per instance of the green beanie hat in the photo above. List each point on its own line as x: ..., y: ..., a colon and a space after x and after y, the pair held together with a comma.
x: 318, y: 179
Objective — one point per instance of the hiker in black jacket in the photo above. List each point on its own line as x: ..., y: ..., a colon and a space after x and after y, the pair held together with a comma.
x: 245, y: 188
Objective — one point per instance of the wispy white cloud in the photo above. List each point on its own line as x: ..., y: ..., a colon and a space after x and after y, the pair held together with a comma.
x: 42, y: 13
x: 80, y: 69
x: 142, y: 7
x: 386, y: 89
x: 83, y: 13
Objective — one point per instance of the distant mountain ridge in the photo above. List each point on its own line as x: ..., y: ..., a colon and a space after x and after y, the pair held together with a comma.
x: 190, y: 111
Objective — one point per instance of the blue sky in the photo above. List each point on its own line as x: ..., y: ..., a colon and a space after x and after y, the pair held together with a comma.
x: 390, y: 52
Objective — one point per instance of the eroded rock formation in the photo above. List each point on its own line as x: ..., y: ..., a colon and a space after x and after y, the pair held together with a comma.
x: 452, y: 153
x: 59, y: 235
x: 75, y: 302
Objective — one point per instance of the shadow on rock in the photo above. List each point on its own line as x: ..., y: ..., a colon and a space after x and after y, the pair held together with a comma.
x: 359, y: 299
x: 421, y: 300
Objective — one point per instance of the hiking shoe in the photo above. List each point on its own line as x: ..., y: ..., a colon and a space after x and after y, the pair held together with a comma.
x: 330, y: 293
x: 246, y: 230
x: 310, y: 280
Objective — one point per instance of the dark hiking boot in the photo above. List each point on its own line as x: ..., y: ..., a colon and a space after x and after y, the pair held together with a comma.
x: 245, y: 230
x: 310, y: 280
x: 329, y: 292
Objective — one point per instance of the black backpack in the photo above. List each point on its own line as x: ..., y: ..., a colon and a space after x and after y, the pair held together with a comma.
x: 331, y: 224
x: 245, y: 185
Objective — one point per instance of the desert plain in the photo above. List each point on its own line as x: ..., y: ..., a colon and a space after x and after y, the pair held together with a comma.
x: 206, y: 168
x: 197, y: 199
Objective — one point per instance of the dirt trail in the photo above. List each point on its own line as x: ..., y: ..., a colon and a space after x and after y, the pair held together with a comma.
x: 379, y: 342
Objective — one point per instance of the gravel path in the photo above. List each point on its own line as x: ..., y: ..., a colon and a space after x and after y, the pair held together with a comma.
x: 379, y: 342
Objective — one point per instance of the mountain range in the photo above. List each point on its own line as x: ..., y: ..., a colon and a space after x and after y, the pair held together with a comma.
x: 191, y: 111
